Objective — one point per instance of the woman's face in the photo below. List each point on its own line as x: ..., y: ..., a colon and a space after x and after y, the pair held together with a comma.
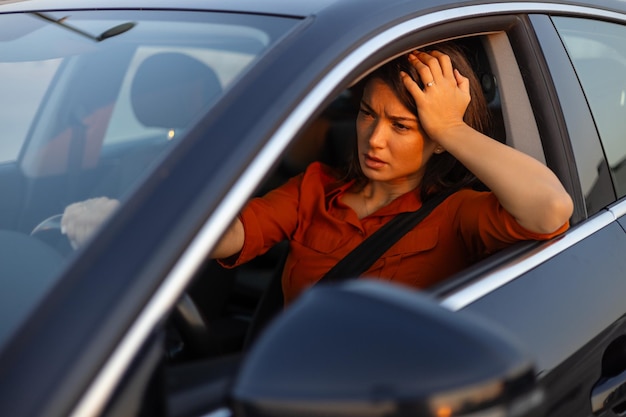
x: 392, y: 146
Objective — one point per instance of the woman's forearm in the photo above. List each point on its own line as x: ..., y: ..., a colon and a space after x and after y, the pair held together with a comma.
x: 526, y: 188
x: 232, y: 241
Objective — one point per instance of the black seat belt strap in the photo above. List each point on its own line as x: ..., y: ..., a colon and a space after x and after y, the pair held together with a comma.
x: 361, y: 258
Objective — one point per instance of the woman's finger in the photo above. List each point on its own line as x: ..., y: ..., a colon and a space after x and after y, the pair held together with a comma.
x: 425, y: 76
x: 433, y: 65
x: 411, y: 85
x: 462, y: 82
x: 445, y: 63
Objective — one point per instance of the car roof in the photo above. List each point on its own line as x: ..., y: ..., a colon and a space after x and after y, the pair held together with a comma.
x: 273, y: 7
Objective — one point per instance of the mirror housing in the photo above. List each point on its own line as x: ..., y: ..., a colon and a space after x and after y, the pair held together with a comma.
x: 369, y: 348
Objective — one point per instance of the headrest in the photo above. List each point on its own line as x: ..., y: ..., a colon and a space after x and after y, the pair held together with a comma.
x: 172, y: 89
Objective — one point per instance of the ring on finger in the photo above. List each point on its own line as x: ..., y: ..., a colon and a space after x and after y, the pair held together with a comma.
x: 430, y: 84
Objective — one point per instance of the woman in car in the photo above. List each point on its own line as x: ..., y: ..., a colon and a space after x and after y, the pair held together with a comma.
x: 421, y: 130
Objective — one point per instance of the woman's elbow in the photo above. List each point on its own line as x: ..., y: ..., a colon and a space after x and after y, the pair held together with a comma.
x: 557, y: 212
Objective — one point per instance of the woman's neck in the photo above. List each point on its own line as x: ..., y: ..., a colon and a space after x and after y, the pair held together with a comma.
x: 374, y: 196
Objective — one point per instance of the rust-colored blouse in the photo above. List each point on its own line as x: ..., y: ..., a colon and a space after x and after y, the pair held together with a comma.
x: 321, y: 230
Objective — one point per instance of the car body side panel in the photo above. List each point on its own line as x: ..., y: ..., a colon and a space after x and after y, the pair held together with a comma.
x: 569, y: 386
x: 622, y: 222
x: 561, y: 305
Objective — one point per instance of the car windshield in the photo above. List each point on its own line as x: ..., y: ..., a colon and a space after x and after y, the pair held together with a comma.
x: 88, y: 100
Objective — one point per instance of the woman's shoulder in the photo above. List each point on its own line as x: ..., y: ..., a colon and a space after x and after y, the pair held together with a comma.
x: 322, y: 174
x: 470, y: 199
x: 320, y: 169
x: 470, y: 193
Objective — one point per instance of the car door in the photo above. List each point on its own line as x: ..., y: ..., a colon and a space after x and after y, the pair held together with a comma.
x: 564, y: 299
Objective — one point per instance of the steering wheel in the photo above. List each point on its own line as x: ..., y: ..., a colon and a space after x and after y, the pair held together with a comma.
x: 52, y: 223
x: 193, y: 328
x: 186, y: 318
x: 49, y: 231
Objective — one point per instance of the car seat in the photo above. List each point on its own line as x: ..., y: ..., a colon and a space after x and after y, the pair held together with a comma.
x: 171, y: 89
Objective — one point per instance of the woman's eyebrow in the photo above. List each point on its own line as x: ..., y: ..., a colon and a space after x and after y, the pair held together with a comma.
x: 402, y: 118
x: 390, y: 116
x: 364, y: 104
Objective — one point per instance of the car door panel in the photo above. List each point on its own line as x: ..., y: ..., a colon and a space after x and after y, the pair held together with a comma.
x: 556, y: 308
x: 574, y: 387
x: 575, y: 295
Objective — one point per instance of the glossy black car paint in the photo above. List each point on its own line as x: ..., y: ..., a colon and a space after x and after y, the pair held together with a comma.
x: 64, y: 344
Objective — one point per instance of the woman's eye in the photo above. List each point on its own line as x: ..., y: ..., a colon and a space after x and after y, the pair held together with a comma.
x: 365, y: 112
x: 400, y: 126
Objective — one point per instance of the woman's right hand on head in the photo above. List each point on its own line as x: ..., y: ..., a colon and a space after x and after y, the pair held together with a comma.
x: 81, y: 220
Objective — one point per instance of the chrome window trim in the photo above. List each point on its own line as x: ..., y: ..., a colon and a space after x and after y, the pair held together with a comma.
x: 100, y: 390
x: 510, y: 271
x: 507, y: 273
x: 618, y: 209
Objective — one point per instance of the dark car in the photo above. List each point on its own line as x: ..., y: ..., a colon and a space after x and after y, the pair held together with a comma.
x: 184, y: 110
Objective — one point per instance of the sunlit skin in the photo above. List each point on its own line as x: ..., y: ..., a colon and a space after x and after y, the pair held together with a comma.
x: 392, y: 147
x: 539, y: 202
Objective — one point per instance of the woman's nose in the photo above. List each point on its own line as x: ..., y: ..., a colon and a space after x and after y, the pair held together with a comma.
x: 377, y: 137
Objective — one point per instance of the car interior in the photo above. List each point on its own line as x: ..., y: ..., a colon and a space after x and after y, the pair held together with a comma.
x: 259, y: 279
x: 219, y: 318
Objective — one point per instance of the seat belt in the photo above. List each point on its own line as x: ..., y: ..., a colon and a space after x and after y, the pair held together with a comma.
x: 361, y: 258
x: 352, y: 265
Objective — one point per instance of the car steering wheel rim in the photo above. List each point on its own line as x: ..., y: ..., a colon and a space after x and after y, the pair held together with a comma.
x: 187, y: 317
x: 49, y: 232
x: 52, y: 223
x: 192, y: 326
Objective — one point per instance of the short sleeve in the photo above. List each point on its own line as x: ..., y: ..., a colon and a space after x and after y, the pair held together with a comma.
x: 485, y: 226
x: 267, y: 221
x: 277, y: 215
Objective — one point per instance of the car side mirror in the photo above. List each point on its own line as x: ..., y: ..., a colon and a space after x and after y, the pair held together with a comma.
x: 368, y: 348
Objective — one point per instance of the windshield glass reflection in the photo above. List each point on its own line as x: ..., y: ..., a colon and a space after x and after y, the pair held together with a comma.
x: 90, y: 102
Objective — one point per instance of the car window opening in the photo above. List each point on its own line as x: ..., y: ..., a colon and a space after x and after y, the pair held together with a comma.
x: 328, y: 138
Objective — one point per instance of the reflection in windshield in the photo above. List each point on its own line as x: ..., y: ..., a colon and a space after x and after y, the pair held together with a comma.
x: 20, y: 99
x: 109, y: 33
x: 89, y: 103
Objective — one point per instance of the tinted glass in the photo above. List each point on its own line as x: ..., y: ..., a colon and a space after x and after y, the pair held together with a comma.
x: 89, y: 101
x: 598, y: 51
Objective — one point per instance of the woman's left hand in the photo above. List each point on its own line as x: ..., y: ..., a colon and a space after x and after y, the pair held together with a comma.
x: 539, y: 203
x: 81, y: 220
x: 442, y: 103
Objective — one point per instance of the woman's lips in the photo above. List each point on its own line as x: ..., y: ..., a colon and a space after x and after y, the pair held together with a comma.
x: 373, y: 162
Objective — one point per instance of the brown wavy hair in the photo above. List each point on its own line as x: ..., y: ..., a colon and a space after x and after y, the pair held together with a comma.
x: 443, y: 171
